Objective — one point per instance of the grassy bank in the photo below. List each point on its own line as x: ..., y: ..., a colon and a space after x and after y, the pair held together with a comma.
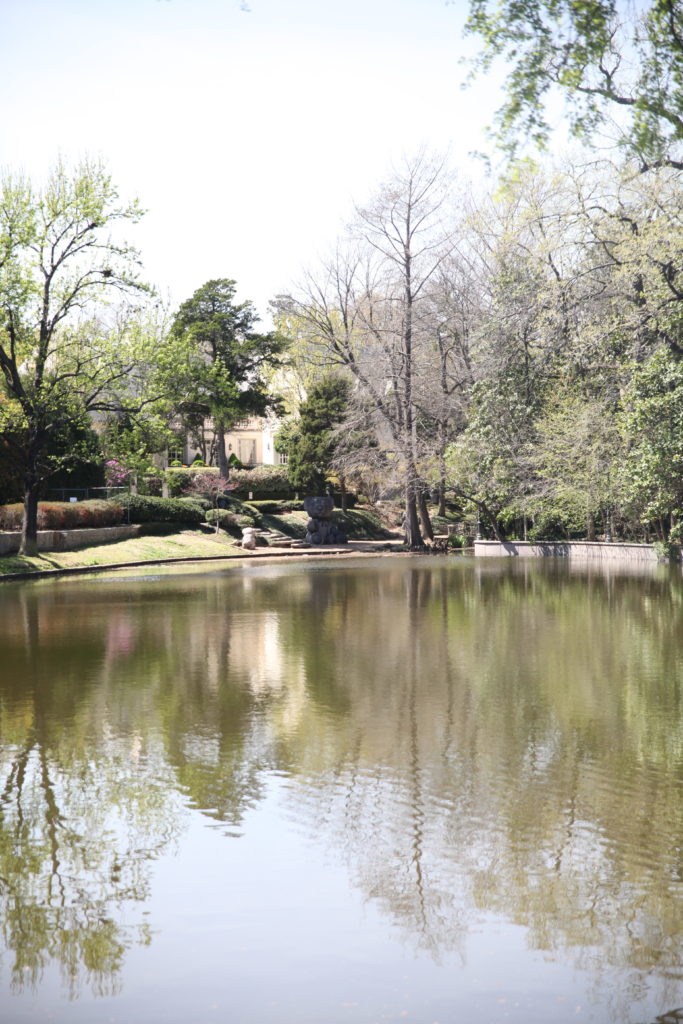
x: 360, y: 524
x: 186, y: 544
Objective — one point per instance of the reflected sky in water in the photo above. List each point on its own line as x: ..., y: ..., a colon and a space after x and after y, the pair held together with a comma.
x: 416, y: 789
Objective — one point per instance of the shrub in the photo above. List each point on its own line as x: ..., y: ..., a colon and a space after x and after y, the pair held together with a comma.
x: 263, y: 482
x: 145, y: 509
x: 65, y: 515
x: 11, y: 516
x: 230, y: 521
x: 97, y: 512
x: 241, y: 508
x: 180, y: 479
x: 667, y: 551
x: 277, y: 508
x: 150, y: 485
x: 197, y: 499
x: 268, y: 507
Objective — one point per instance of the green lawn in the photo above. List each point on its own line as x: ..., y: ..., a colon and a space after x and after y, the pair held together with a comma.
x: 186, y: 544
x: 189, y: 543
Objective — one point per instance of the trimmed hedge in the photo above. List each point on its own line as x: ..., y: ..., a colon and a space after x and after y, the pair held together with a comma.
x: 145, y: 509
x: 197, y: 499
x: 263, y: 482
x: 278, y: 507
x: 65, y: 515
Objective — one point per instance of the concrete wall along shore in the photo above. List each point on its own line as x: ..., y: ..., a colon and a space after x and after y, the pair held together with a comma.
x: 65, y: 540
x: 575, y: 549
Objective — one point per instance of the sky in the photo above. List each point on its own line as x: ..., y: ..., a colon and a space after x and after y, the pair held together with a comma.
x: 247, y: 128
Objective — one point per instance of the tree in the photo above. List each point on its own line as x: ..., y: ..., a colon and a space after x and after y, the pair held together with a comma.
x: 223, y: 376
x: 608, y: 61
x: 653, y: 418
x: 61, y: 360
x: 369, y: 308
x: 488, y: 464
x: 578, y: 448
x: 309, y: 441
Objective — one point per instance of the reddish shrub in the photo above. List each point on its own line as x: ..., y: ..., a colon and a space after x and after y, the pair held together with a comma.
x: 11, y: 516
x: 63, y: 515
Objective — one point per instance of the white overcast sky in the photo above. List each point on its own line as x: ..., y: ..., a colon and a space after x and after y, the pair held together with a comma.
x: 247, y: 129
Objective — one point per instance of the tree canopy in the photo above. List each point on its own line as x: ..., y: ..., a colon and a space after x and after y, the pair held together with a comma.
x: 619, y: 67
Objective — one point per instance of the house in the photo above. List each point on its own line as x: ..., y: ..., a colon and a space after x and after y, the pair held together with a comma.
x: 250, y: 440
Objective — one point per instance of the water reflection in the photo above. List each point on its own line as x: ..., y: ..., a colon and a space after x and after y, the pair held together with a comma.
x: 468, y: 738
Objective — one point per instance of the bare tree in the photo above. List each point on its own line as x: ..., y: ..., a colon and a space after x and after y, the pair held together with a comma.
x: 370, y: 306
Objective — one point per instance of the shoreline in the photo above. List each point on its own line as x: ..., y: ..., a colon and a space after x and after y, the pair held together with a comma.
x: 358, y: 548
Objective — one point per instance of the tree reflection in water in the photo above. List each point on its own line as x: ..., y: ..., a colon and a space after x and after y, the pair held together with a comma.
x: 468, y: 738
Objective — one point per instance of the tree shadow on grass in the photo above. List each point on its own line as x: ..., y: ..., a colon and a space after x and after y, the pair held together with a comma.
x: 11, y: 564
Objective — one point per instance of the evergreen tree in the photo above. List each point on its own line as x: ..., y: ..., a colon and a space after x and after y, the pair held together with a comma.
x: 309, y: 442
x: 226, y: 358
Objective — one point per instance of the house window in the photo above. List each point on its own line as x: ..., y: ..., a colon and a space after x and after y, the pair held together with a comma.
x: 176, y: 452
x: 282, y: 458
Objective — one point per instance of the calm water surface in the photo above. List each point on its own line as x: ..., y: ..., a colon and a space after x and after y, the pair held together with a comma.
x: 423, y: 790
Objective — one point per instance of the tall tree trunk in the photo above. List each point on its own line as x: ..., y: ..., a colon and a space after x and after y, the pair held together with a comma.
x: 424, y: 514
x: 29, y: 526
x: 413, y: 537
x: 221, y: 454
x: 442, y: 496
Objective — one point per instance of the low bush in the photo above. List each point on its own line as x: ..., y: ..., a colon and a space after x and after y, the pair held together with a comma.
x: 241, y: 508
x: 262, y: 482
x: 197, y: 499
x: 65, y: 515
x: 181, y: 479
x: 232, y: 522
x: 143, y: 509
x: 270, y: 507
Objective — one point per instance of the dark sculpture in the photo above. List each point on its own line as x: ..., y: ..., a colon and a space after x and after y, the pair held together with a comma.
x: 319, y: 529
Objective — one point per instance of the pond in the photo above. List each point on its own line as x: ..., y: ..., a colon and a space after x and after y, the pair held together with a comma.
x: 353, y: 790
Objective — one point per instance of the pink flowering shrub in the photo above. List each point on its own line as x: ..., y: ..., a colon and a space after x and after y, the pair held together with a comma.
x: 115, y: 473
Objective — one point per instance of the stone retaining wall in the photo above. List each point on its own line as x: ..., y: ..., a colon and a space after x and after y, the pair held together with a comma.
x: 584, y: 550
x: 64, y: 540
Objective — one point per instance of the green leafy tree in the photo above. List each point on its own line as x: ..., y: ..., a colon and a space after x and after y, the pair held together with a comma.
x: 608, y: 60
x: 489, y: 463
x: 653, y: 417
x: 309, y: 442
x: 60, y: 360
x: 225, y: 360
x: 576, y: 455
